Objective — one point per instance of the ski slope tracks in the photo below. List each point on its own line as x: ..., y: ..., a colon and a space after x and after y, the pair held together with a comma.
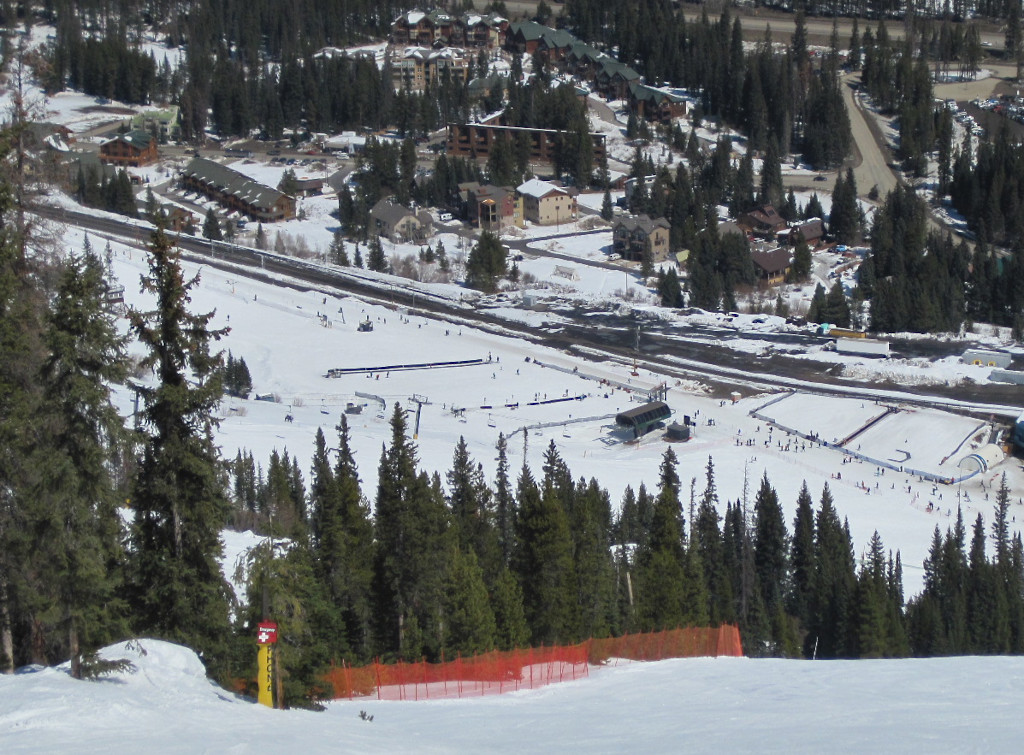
x: 950, y: 705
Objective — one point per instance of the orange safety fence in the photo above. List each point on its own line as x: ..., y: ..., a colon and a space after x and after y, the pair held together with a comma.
x: 688, y: 642
x: 500, y: 671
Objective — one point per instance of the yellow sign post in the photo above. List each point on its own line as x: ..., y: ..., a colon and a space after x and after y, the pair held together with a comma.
x: 265, y: 639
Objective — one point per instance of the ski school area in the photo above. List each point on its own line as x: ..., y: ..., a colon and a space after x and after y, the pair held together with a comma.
x: 455, y: 379
x: 930, y: 444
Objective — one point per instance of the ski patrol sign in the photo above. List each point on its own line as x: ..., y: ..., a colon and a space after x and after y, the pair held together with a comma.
x: 267, y: 633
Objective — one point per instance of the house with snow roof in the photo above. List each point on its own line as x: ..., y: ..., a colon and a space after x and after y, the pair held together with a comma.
x: 416, y: 68
x: 399, y: 223
x: 134, y: 149
x: 236, y: 191
x: 762, y: 221
x: 545, y: 203
x: 437, y: 28
x: 812, y: 230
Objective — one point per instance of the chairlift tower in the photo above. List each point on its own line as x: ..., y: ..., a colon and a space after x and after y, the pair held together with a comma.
x: 636, y: 352
x: 419, y: 401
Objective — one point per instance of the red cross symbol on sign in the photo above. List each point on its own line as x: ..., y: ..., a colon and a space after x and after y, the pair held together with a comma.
x: 266, y: 633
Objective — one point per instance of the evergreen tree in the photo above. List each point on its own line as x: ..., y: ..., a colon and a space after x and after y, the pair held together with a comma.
x: 607, y: 210
x: 337, y: 254
x: 770, y: 546
x: 504, y: 504
x: 832, y: 585
x: 21, y: 350
x: 844, y: 222
x: 211, y: 228
x: 411, y: 552
x: 283, y: 585
x: 342, y: 538
x: 801, y: 268
x: 590, y: 524
x: 237, y: 380
x: 660, y: 561
x: 511, y: 630
x: 471, y: 628
x: 771, y: 191
x: 469, y: 501
x: 835, y: 309
x: 802, y: 557
x: 487, y: 263
x: 76, y: 549
x: 543, y: 563
x: 178, y: 591
x: 288, y: 184
x: 376, y: 260
x: 669, y: 289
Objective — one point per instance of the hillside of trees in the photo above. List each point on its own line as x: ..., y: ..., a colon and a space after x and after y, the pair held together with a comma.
x: 430, y: 562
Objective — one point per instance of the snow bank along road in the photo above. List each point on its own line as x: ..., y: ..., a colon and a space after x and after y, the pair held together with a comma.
x: 690, y: 359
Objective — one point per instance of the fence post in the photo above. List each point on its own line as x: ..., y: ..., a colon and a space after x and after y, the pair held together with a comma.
x: 376, y: 673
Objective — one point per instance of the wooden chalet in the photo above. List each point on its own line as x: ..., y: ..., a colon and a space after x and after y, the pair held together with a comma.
x: 763, y: 221
x: 655, y: 104
x: 772, y: 265
x: 133, y: 149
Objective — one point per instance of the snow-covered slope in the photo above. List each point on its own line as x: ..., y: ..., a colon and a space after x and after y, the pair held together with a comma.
x: 290, y: 339
x: 696, y: 705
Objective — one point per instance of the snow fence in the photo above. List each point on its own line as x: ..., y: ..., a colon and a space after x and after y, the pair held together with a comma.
x: 498, y: 672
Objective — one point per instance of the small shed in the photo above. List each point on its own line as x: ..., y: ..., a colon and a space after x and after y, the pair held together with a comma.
x: 987, y: 358
x: 1007, y: 376
x: 677, y: 432
x: 863, y: 347
x: 643, y: 418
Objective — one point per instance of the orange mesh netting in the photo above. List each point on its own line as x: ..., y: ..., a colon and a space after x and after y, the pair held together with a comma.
x: 506, y: 671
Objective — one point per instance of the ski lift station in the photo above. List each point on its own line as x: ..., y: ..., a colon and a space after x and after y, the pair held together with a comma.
x: 642, y: 419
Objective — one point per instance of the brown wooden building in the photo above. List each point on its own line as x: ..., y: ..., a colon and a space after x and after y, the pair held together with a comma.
x: 132, y: 149
x: 655, y: 104
x: 476, y: 139
x: 236, y: 191
x: 772, y: 265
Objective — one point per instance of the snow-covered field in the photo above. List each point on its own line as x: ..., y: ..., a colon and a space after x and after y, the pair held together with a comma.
x: 290, y: 339
x: 736, y: 705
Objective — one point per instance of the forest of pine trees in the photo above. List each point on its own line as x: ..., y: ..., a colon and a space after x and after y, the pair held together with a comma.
x: 463, y: 565
x: 248, y: 72
x: 427, y: 565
